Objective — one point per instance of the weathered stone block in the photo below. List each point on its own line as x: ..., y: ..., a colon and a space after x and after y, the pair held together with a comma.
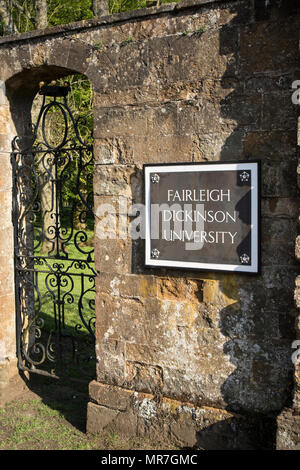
x: 110, y: 355
x: 122, y: 65
x: 5, y: 145
x: 129, y: 319
x: 274, y: 286
x: 6, y: 244
x: 127, y: 286
x: 245, y: 110
x: 100, y: 418
x: 7, y: 276
x: 278, y: 113
x: 113, y: 255
x: 110, y: 396
x: 79, y: 56
x: 196, y: 116
x: 5, y: 121
x: 253, y: 384
x: 179, y: 422
x: 163, y: 120
x: 112, y: 180
x: 278, y: 230
x: 6, y: 173
x: 143, y: 353
x: 297, y: 296
x: 269, y: 83
x: 179, y: 289
x: 297, y: 248
x: 189, y: 54
x: 270, y: 145
x: 120, y: 121
x: 149, y: 149
x: 11, y: 384
x: 275, y: 207
x: 59, y: 51
x: 40, y: 55
x: 279, y: 178
x: 8, y: 329
x: 225, y: 144
x: 285, y: 253
x: 109, y: 151
x: 269, y: 46
x: 143, y: 377
x: 288, y: 430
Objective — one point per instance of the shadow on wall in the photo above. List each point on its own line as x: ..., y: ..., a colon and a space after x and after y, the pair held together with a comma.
x: 259, y: 325
x: 258, y: 122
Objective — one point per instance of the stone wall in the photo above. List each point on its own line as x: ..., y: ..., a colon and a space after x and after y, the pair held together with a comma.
x: 204, y: 358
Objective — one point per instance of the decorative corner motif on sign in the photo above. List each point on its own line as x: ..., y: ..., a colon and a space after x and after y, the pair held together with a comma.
x: 155, y: 253
x: 155, y: 178
x: 244, y: 177
x: 245, y: 259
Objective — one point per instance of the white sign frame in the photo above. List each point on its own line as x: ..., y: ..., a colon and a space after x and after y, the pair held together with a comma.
x: 254, y: 166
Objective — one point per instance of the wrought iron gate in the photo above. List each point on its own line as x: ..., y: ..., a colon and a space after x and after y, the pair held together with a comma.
x: 54, y: 253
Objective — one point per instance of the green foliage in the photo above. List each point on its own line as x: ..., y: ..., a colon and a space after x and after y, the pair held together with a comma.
x: 117, y: 6
x: 126, y: 41
x: 23, y: 13
x: 98, y: 45
x: 23, y: 17
x: 68, y: 11
x: 80, y: 101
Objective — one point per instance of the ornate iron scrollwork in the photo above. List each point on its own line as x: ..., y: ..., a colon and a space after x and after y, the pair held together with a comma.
x: 54, y: 253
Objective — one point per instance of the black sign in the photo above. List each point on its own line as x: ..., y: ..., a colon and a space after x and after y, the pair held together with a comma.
x: 203, y: 216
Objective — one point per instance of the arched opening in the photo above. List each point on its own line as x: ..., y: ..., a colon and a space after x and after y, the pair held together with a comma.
x: 52, y: 165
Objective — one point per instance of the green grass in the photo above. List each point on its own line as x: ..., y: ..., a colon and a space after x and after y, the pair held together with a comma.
x: 52, y: 416
x: 71, y: 312
x: 35, y: 425
x: 117, y: 6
